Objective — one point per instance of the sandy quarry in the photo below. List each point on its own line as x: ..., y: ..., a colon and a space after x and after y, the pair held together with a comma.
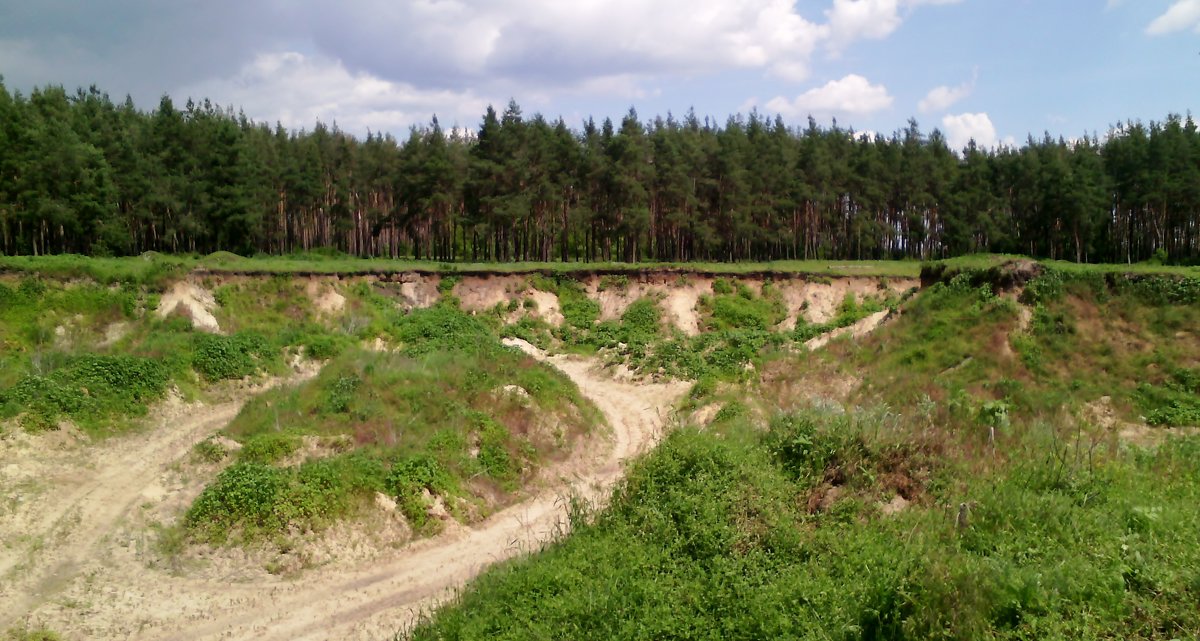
x: 79, y: 522
x: 82, y: 560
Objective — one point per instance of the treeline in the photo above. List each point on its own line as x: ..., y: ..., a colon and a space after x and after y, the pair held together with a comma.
x: 80, y: 173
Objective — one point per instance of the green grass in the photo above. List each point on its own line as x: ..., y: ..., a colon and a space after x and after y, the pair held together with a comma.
x: 157, y: 268
x: 61, y: 358
x: 746, y: 530
x: 31, y: 634
x: 713, y: 537
x: 150, y: 269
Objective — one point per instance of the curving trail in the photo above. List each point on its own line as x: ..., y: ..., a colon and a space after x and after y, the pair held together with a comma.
x: 68, y: 529
x: 371, y: 601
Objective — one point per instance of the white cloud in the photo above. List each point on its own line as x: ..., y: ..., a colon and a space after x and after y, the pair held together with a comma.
x: 852, y: 95
x: 851, y: 20
x: 1184, y: 14
x: 962, y: 128
x: 298, y: 90
x: 454, y: 43
x: 943, y: 97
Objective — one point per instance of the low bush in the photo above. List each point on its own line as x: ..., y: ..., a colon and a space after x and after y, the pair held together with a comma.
x: 88, y: 389
x: 217, y: 357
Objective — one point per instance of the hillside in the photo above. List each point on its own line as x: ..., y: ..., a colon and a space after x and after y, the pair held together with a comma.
x: 983, y: 448
x: 1006, y: 459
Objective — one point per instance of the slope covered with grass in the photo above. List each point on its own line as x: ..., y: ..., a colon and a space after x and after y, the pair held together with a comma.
x: 959, y: 490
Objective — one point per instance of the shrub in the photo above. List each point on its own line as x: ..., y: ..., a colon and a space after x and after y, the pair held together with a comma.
x: 89, y: 389
x: 322, y: 347
x: 268, y: 448
x: 217, y: 357
x: 442, y: 327
x: 244, y: 494
x: 339, y: 395
x: 408, y: 480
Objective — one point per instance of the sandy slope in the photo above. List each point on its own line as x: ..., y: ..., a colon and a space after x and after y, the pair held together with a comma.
x: 103, y: 591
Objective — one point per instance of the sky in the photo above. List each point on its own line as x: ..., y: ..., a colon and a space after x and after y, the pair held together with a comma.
x: 993, y: 70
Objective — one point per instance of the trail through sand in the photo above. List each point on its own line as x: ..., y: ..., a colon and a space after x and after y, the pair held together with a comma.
x: 366, y: 600
x: 54, y: 536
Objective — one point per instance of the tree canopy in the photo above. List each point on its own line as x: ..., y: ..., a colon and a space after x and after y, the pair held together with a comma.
x: 80, y: 173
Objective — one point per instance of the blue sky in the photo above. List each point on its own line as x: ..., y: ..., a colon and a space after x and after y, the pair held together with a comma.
x: 995, y: 70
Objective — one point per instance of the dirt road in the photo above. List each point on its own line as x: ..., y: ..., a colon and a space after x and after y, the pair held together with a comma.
x: 103, y: 593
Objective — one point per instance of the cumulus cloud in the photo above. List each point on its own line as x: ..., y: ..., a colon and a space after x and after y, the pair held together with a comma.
x: 298, y: 90
x: 943, y: 97
x: 962, y: 128
x: 1184, y: 14
x: 851, y: 20
x: 852, y: 95
x: 456, y: 42
x: 539, y: 51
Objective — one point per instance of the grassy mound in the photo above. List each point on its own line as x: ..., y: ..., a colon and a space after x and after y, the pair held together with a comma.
x: 450, y: 416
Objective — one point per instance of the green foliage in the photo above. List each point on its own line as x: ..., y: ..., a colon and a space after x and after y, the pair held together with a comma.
x: 88, y: 389
x: 849, y: 312
x: 31, y: 634
x: 494, y: 456
x: 1176, y: 403
x: 268, y: 448
x: 400, y: 424
x: 322, y: 347
x: 446, y: 284
x: 244, y: 494
x: 730, y: 411
x: 579, y: 311
x: 534, y: 331
x: 217, y: 357
x: 209, y: 451
x: 619, y: 282
x: 738, y: 308
x: 339, y: 395
x: 705, y: 535
x: 409, y: 480
x: 443, y: 327
x: 1046, y: 287
x: 252, y: 500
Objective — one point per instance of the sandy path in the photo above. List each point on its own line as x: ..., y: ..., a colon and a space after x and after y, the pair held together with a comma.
x: 68, y: 527
x: 342, y: 601
x: 78, y: 521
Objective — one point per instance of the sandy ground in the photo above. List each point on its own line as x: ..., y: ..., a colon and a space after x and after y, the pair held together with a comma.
x: 88, y: 576
x: 197, y: 302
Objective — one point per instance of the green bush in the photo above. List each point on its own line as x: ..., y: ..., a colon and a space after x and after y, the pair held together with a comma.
x: 268, y: 448
x: 442, y: 327
x: 1176, y: 403
x: 339, y: 395
x: 322, y: 347
x: 408, y: 480
x: 89, y: 389
x: 217, y: 357
x: 245, y: 495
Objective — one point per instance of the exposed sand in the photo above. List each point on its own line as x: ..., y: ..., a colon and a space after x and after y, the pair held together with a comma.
x: 195, y: 301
